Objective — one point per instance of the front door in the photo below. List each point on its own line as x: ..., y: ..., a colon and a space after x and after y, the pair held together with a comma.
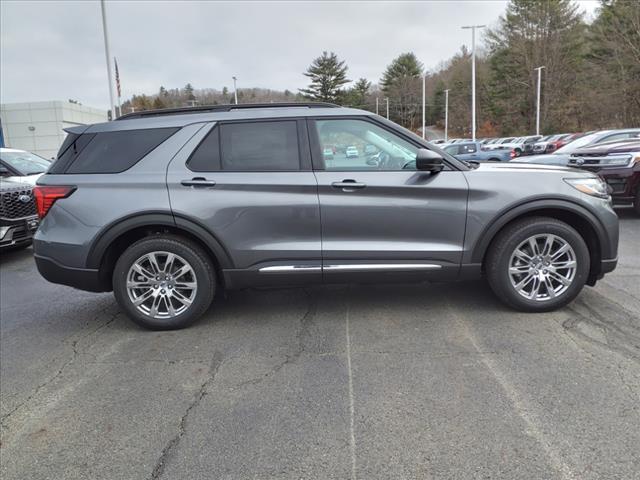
x: 381, y: 218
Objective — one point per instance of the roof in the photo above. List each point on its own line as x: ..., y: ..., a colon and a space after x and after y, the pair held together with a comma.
x: 167, y: 118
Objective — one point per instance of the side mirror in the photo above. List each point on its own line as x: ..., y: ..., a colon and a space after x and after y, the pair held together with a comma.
x: 429, y: 161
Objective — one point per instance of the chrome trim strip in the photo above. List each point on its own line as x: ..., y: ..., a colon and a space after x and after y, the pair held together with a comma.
x: 290, y: 268
x: 367, y: 267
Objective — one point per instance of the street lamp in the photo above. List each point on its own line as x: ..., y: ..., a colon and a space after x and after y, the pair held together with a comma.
x: 473, y: 77
x: 446, y: 115
x: 235, y: 90
x: 539, y: 69
x: 376, y: 105
x: 387, y: 100
x: 424, y: 104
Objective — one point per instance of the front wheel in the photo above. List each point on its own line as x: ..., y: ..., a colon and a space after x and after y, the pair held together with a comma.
x: 538, y: 264
x: 164, y: 282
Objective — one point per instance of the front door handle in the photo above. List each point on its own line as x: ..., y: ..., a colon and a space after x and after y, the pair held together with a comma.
x: 348, y: 185
x: 198, y: 182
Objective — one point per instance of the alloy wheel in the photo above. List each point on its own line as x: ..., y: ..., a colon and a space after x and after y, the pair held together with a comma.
x: 161, y: 285
x: 542, y: 267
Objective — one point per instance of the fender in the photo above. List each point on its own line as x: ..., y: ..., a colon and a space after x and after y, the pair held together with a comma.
x: 121, y: 226
x: 512, y: 213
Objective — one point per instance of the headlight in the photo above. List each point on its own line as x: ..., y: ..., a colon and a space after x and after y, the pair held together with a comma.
x: 596, y: 187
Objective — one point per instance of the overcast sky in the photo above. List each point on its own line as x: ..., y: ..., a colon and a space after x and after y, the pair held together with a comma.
x: 54, y: 50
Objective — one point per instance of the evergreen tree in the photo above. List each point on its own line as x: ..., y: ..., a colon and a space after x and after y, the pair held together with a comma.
x: 360, y: 91
x: 401, y: 82
x: 328, y: 74
x: 188, y: 92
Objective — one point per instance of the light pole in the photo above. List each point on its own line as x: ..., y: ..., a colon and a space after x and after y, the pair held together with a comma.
x: 539, y: 69
x: 473, y: 77
x: 424, y: 104
x: 376, y: 105
x: 235, y: 90
x: 387, y: 99
x: 446, y: 115
x: 108, y: 56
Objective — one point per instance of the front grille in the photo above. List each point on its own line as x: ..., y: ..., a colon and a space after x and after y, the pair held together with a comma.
x: 595, y: 160
x: 11, y: 205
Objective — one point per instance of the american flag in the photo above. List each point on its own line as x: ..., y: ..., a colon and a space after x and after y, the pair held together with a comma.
x: 117, y: 78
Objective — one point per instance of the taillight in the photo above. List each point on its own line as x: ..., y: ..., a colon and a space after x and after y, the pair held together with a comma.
x: 46, y: 195
x: 513, y: 154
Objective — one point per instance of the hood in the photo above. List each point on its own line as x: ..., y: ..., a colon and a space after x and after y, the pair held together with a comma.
x: 28, y: 179
x: 524, y: 167
x: 560, y: 159
x: 10, y: 183
x: 609, y: 148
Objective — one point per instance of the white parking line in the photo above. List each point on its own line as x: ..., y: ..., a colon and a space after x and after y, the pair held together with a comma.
x: 523, y: 409
x: 352, y: 437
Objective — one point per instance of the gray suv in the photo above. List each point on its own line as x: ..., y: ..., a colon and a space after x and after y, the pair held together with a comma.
x: 167, y: 207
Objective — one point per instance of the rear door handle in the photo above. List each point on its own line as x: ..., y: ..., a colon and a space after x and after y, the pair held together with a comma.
x: 348, y: 185
x: 198, y: 182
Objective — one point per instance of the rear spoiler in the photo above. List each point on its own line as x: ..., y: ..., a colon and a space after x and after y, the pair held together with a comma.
x: 77, y: 129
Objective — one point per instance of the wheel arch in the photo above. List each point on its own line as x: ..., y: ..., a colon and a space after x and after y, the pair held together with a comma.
x: 578, y: 217
x: 117, y: 236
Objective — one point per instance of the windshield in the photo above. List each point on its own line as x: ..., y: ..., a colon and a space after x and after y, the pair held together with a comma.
x: 25, y: 163
x: 578, y: 143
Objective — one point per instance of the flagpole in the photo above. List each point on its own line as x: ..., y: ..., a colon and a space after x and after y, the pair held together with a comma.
x: 118, y: 91
x: 108, y: 57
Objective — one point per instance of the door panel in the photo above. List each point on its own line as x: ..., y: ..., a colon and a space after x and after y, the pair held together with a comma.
x: 263, y: 219
x: 395, y: 216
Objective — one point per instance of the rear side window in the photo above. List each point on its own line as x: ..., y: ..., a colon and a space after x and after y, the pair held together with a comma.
x: 115, y: 152
x: 259, y: 146
x: 69, y: 151
x: 206, y: 158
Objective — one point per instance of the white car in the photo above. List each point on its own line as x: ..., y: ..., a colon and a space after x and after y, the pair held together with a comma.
x: 21, y: 166
x: 352, y: 152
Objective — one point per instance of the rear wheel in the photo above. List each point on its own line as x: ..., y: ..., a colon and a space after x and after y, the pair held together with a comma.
x: 538, y: 264
x: 164, y: 282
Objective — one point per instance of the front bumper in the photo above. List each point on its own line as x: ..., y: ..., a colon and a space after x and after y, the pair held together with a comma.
x: 16, y: 232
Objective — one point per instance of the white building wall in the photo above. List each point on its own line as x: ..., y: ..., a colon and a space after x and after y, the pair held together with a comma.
x: 38, y: 126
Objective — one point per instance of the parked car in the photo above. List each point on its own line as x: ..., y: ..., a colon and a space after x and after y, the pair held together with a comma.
x: 327, y: 152
x: 21, y: 166
x: 474, y: 151
x: 618, y: 163
x: 351, y: 152
x: 522, y: 145
x: 166, y: 207
x: 18, y: 218
x: 561, y: 156
x: 549, y: 143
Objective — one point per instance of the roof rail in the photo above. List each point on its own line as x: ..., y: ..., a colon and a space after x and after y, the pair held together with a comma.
x: 222, y: 108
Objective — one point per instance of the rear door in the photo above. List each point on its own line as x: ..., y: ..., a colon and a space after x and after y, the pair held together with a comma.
x: 250, y: 184
x: 382, y: 219
x: 467, y: 151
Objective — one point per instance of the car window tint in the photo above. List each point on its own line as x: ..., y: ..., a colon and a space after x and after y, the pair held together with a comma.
x: 72, y: 146
x: 467, y: 148
x: 361, y: 145
x: 206, y: 157
x: 114, y: 152
x: 260, y: 146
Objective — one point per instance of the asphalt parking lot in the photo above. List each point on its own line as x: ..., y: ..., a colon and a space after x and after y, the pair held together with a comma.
x: 401, y: 381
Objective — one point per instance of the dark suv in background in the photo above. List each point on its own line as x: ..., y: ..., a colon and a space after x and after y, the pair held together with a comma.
x: 18, y: 219
x: 166, y: 207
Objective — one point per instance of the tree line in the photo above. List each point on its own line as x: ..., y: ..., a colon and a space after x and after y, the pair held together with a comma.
x: 591, y: 78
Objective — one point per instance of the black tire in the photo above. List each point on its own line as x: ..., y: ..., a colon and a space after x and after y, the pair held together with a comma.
x: 493, y: 160
x: 504, y: 246
x: 636, y: 202
x: 202, y: 269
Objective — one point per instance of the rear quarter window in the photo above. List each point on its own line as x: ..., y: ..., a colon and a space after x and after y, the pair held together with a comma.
x: 115, y: 152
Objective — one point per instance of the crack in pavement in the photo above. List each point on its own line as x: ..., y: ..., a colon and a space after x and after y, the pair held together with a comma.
x: 158, y: 470
x: 305, y: 322
x: 74, y: 356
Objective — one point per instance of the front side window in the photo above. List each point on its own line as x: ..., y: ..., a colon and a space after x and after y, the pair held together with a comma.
x: 467, y: 148
x: 361, y: 145
x: 260, y: 146
x: 452, y: 149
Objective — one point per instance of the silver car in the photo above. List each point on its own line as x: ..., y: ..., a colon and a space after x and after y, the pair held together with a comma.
x: 167, y: 207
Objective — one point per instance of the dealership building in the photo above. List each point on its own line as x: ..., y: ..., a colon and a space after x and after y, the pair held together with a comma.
x: 38, y: 127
